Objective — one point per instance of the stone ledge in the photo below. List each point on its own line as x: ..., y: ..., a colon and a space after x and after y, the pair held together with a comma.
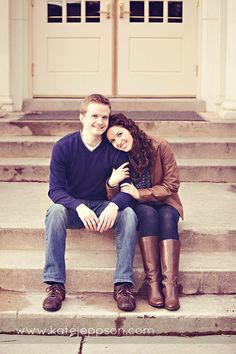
x: 23, y: 313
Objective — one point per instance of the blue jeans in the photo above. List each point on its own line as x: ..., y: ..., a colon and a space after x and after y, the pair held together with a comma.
x: 59, y: 218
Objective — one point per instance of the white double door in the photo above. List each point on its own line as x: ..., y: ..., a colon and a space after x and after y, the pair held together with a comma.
x: 123, y: 48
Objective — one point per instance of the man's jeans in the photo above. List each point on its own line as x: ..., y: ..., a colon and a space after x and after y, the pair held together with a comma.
x: 59, y: 218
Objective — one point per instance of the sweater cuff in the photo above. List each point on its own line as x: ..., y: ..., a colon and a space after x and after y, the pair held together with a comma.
x: 110, y: 187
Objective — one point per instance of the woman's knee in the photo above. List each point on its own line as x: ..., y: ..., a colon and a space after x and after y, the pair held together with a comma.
x: 168, y: 214
x: 145, y: 212
x: 169, y: 218
x: 148, y: 220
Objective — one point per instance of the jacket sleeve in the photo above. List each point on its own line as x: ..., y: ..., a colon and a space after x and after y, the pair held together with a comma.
x: 170, y: 183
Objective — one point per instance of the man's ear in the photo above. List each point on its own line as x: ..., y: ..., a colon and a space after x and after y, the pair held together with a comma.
x: 81, y: 117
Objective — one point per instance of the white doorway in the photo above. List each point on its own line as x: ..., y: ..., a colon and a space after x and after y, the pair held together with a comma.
x: 118, y: 48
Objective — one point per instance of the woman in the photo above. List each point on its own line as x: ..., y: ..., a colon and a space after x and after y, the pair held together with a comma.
x: 155, y: 177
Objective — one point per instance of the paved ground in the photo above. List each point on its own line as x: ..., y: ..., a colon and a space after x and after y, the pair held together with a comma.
x: 13, y: 344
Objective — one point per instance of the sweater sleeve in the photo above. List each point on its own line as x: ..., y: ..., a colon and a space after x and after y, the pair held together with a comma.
x: 170, y: 183
x: 57, y: 180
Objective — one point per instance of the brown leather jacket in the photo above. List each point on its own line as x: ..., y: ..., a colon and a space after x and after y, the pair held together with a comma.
x: 164, y: 178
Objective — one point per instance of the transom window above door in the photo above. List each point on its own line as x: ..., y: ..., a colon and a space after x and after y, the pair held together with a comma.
x: 155, y: 11
x: 139, y: 11
x: 73, y: 11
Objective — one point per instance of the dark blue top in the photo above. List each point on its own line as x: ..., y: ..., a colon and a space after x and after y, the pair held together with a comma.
x: 77, y: 173
x: 144, y: 182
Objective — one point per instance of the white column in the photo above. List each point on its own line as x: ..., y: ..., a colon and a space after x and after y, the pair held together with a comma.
x: 228, y: 107
x: 21, y: 40
x: 209, y: 85
x: 5, y: 89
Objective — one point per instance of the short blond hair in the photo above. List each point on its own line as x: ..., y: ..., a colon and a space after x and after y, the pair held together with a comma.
x: 94, y: 98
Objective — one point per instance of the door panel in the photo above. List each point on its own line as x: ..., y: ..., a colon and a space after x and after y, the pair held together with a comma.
x: 72, y: 48
x: 157, y: 48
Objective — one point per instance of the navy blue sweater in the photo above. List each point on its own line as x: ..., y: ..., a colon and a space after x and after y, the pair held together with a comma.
x: 77, y: 173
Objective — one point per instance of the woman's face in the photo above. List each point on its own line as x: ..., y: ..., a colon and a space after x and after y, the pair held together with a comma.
x: 120, y: 138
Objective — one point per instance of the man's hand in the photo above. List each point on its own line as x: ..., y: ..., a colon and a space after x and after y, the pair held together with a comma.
x: 119, y: 174
x: 130, y: 189
x: 107, y: 218
x: 88, y: 217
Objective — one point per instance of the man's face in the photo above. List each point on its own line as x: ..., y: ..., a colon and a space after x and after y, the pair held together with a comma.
x: 95, y: 120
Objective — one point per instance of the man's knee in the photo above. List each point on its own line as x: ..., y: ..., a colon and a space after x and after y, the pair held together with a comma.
x: 56, y: 213
x: 128, y: 216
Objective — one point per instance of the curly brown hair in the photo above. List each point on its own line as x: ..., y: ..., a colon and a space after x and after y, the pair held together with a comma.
x: 142, y: 154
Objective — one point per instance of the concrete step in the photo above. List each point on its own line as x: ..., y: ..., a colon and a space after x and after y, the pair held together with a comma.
x: 24, y: 169
x: 141, y: 344
x: 209, y: 224
x: 27, y: 238
x: 27, y: 146
x: 118, y: 104
x: 183, y: 147
x: 32, y: 169
x: 207, y: 170
x: 213, y: 126
x: 97, y: 314
x: 200, y: 273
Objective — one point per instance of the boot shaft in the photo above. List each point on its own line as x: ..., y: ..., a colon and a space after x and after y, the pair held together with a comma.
x: 149, y: 247
x: 150, y: 252
x: 170, y: 254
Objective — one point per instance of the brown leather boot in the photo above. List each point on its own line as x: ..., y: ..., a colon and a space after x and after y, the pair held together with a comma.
x: 170, y: 251
x: 149, y: 247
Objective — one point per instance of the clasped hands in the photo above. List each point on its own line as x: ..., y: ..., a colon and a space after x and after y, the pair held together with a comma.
x: 102, y: 223
x: 118, y: 175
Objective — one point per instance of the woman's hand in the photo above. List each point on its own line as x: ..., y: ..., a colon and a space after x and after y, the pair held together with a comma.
x: 119, y: 174
x: 130, y: 189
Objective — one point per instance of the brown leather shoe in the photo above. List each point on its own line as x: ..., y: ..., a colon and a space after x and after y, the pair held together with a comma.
x: 123, y: 294
x: 149, y: 247
x: 56, y: 294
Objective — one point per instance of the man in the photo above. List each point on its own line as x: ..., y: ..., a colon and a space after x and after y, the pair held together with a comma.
x: 80, y: 165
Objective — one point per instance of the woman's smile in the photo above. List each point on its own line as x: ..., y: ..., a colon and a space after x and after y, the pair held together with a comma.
x: 120, y: 138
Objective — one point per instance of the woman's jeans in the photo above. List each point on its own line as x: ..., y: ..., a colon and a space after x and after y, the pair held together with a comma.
x: 59, y: 218
x: 157, y: 219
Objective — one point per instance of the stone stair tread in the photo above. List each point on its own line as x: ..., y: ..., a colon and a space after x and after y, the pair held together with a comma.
x: 206, y: 162
x: 118, y: 103
x: 208, y: 206
x: 26, y: 161
x: 173, y: 139
x: 31, y: 138
x: 200, y: 139
x: 219, y: 240
x: 211, y: 127
x: 198, y: 314
x: 76, y: 259
x: 42, y: 161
